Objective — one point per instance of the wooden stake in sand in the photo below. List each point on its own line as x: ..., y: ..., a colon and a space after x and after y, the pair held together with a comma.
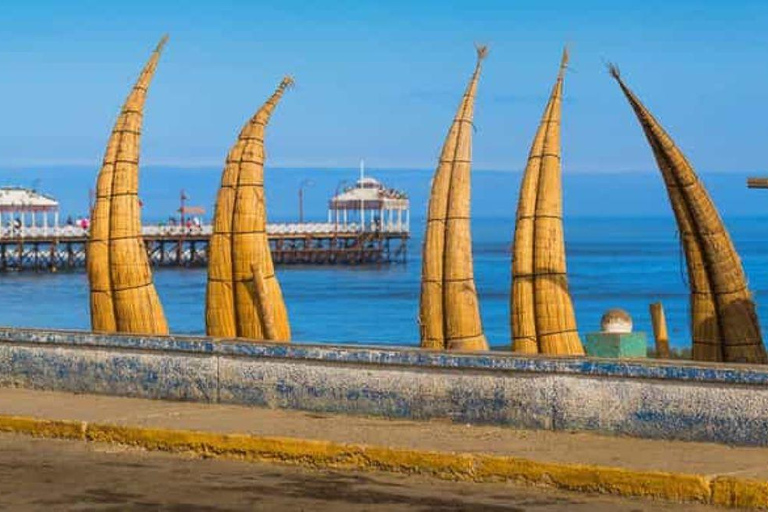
x: 123, y: 297
x: 449, y: 314
x: 660, y: 336
x: 542, y: 316
x: 724, y: 323
x: 239, y: 249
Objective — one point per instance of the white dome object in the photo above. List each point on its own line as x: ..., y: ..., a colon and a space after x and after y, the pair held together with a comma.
x: 616, y: 321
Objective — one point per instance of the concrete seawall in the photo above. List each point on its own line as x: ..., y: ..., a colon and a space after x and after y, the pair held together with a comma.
x: 669, y: 400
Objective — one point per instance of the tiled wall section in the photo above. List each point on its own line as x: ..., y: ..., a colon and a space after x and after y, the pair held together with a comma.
x: 671, y: 400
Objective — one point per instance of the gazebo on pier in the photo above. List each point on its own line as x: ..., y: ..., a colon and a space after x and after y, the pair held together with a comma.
x: 370, y: 206
x: 24, y: 210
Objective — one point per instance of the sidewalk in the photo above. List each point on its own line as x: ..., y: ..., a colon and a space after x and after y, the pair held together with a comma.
x: 709, y: 473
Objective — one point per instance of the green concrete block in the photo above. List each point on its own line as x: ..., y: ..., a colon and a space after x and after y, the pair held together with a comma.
x: 603, y: 344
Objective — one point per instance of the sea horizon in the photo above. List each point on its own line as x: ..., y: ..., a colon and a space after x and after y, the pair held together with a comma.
x: 608, y: 194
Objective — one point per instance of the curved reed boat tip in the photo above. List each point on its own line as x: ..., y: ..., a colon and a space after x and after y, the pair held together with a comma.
x: 122, y: 294
x: 724, y: 323
x: 287, y: 82
x: 161, y: 44
x: 613, y: 70
x: 482, y: 51
x: 243, y: 296
x: 541, y: 309
x: 449, y: 316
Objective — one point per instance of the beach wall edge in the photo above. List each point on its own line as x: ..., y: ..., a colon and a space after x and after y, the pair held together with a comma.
x: 649, y: 399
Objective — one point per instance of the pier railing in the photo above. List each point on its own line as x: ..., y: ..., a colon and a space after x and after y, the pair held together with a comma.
x: 52, y: 248
x: 160, y: 230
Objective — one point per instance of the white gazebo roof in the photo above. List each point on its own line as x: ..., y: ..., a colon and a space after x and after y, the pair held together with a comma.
x: 17, y: 199
x: 370, y: 194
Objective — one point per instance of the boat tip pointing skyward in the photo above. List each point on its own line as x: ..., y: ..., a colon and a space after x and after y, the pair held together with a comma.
x: 449, y: 315
x: 724, y: 323
x: 122, y: 294
x: 541, y: 310
x: 243, y: 295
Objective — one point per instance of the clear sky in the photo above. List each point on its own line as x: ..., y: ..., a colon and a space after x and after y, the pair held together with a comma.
x: 382, y: 79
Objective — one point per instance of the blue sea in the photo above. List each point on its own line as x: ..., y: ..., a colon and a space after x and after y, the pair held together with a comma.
x: 622, y: 252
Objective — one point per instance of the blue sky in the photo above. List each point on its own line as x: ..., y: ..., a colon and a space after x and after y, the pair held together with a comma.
x: 382, y: 79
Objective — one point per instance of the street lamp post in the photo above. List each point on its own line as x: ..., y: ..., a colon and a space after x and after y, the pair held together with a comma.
x: 182, y: 209
x: 302, y: 185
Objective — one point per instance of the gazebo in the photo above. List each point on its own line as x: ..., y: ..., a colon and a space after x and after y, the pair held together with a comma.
x: 370, y: 206
x: 25, y: 208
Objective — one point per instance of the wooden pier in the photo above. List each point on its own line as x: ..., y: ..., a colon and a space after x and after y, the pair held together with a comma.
x: 51, y: 249
x: 368, y: 223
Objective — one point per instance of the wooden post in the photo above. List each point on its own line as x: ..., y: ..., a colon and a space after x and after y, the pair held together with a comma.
x: 660, y: 330
x: 53, y: 249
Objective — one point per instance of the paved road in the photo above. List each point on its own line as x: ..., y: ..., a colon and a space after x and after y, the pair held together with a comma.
x: 41, y: 474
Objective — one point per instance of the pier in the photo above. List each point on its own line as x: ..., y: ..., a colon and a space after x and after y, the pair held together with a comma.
x: 367, y: 223
x: 63, y: 247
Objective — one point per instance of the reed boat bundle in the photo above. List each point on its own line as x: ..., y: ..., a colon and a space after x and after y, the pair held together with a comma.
x: 724, y: 323
x: 449, y: 312
x: 541, y: 311
x: 122, y: 294
x: 243, y: 296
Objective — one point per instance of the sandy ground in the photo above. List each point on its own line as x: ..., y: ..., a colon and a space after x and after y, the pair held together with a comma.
x: 42, y: 474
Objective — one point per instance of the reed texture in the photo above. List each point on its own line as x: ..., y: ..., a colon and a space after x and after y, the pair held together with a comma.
x: 122, y: 295
x: 264, y: 305
x: 239, y: 255
x: 449, y: 313
x: 724, y: 323
x: 541, y: 311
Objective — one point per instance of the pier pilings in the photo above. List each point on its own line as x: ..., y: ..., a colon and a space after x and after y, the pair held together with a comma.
x: 291, y: 244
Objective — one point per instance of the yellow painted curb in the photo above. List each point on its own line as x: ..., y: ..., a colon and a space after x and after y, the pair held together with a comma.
x: 59, y: 429
x: 599, y: 479
x: 739, y: 493
x: 724, y: 491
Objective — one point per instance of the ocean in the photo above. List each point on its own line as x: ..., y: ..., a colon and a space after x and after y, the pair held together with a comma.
x: 622, y: 257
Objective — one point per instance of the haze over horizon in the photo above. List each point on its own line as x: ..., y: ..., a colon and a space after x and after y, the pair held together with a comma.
x: 606, y: 195
x: 382, y: 81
